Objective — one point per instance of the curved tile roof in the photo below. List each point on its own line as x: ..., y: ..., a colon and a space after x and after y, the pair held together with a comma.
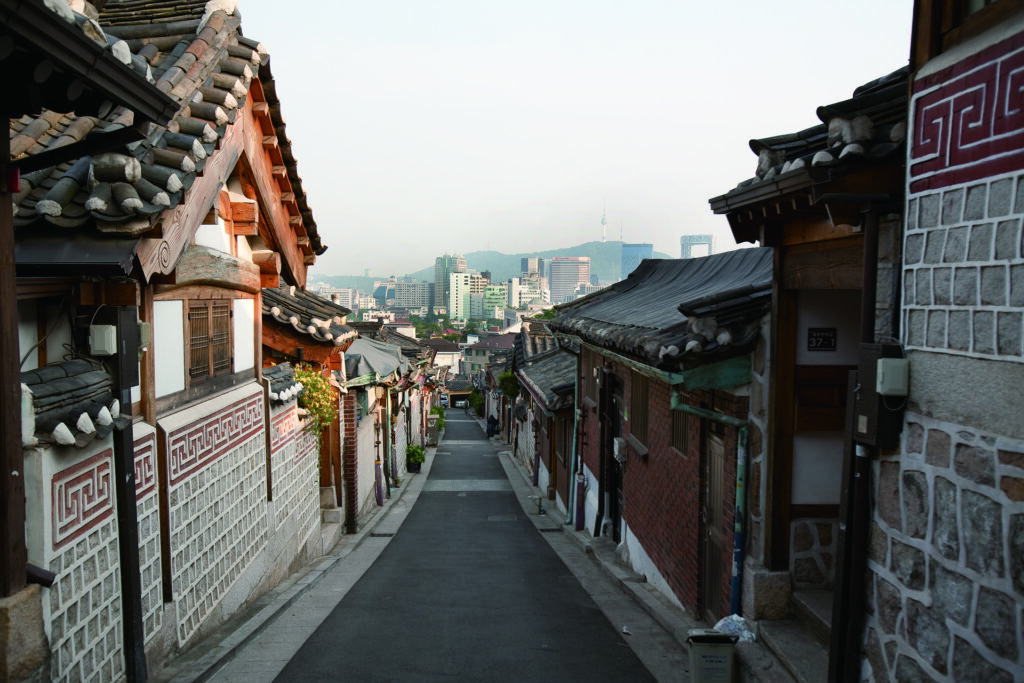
x: 195, y: 52
x: 308, y: 314
x: 676, y: 312
x: 73, y: 402
x: 869, y: 125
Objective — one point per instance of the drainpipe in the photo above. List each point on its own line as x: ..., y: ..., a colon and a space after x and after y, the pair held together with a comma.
x: 740, y: 509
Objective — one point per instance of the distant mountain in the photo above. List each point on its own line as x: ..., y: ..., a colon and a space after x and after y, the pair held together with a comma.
x: 605, y: 264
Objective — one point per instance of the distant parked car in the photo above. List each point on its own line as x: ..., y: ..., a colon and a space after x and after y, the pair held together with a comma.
x: 444, y: 400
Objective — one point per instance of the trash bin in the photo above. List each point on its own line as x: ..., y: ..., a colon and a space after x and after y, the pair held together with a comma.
x: 432, y: 430
x: 711, y: 655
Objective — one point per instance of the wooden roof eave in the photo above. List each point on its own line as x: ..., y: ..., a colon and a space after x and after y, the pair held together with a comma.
x: 277, y: 225
x: 159, y: 255
x: 286, y: 340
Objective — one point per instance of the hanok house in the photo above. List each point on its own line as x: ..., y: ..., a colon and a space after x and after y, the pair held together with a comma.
x: 543, y: 423
x: 303, y: 328
x: 85, y: 74
x: 143, y: 249
x: 828, y: 200
x: 672, y: 370
x: 382, y: 395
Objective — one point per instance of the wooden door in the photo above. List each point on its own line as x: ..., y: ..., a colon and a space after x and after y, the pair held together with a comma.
x: 714, y: 533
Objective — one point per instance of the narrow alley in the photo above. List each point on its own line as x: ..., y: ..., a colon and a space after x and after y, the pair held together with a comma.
x: 459, y: 579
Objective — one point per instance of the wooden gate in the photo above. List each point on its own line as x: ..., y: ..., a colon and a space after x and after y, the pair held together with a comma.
x: 714, y: 461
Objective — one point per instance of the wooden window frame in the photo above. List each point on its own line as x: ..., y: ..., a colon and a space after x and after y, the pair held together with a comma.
x: 218, y: 359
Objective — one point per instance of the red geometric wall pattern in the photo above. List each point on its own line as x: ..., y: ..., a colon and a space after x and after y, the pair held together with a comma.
x: 969, y: 119
x: 145, y: 466
x: 282, y: 428
x: 82, y: 497
x: 200, y: 443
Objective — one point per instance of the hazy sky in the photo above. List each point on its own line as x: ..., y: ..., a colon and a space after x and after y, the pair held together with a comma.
x: 425, y: 126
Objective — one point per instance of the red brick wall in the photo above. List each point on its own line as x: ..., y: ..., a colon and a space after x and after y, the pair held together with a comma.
x: 349, y: 460
x: 663, y: 491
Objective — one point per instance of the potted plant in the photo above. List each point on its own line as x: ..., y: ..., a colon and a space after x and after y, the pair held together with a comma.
x: 414, y: 457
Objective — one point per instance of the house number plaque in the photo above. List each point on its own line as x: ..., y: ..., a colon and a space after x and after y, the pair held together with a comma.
x: 821, y: 339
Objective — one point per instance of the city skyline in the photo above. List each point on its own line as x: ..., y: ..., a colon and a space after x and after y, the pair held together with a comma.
x: 494, y: 126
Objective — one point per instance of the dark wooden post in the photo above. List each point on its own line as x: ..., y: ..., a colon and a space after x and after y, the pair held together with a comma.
x: 13, y: 553
x: 127, y: 376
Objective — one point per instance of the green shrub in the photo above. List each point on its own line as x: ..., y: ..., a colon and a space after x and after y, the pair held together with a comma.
x: 439, y: 411
x: 415, y: 454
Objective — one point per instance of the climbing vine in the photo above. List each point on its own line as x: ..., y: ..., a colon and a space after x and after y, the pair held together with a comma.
x: 318, y: 399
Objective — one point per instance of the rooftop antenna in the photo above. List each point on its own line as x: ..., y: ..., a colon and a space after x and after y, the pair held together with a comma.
x: 604, y: 224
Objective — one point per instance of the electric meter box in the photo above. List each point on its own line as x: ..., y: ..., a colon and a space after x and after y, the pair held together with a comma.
x: 878, y: 418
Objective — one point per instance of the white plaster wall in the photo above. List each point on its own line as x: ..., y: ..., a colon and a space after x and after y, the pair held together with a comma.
x: 590, y: 500
x: 214, y: 236
x: 817, y: 457
x: 245, y: 334
x: 642, y: 564
x: 169, y: 346
x: 366, y: 454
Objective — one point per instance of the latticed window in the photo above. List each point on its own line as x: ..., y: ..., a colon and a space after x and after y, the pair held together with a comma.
x: 638, y: 408
x: 209, y: 334
x: 679, y: 437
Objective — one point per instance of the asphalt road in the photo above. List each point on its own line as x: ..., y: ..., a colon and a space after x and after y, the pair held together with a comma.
x: 467, y: 589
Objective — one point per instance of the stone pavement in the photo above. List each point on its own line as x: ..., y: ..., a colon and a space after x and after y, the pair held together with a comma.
x: 308, y: 596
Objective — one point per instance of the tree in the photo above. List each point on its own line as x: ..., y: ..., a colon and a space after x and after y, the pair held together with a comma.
x: 546, y: 314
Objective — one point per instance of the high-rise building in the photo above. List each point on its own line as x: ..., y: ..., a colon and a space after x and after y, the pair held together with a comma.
x: 531, y: 265
x: 444, y: 266
x: 566, y: 273
x: 413, y: 295
x: 632, y: 255
x: 694, y: 245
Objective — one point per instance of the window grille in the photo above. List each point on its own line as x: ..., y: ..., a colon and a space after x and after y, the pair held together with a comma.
x: 638, y: 408
x: 209, y: 334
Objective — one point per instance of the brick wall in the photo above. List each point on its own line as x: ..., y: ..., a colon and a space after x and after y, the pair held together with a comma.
x: 349, y: 460
x: 663, y: 489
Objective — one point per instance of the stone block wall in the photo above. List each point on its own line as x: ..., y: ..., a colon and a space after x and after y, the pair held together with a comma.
x: 946, y: 556
x: 294, y: 469
x: 813, y: 552
x: 217, y: 492
x: 148, y: 513
x: 72, y: 531
x: 946, y: 590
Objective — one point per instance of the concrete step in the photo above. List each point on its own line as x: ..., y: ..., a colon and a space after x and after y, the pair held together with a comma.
x: 796, y: 648
x: 331, y: 515
x: 813, y: 608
